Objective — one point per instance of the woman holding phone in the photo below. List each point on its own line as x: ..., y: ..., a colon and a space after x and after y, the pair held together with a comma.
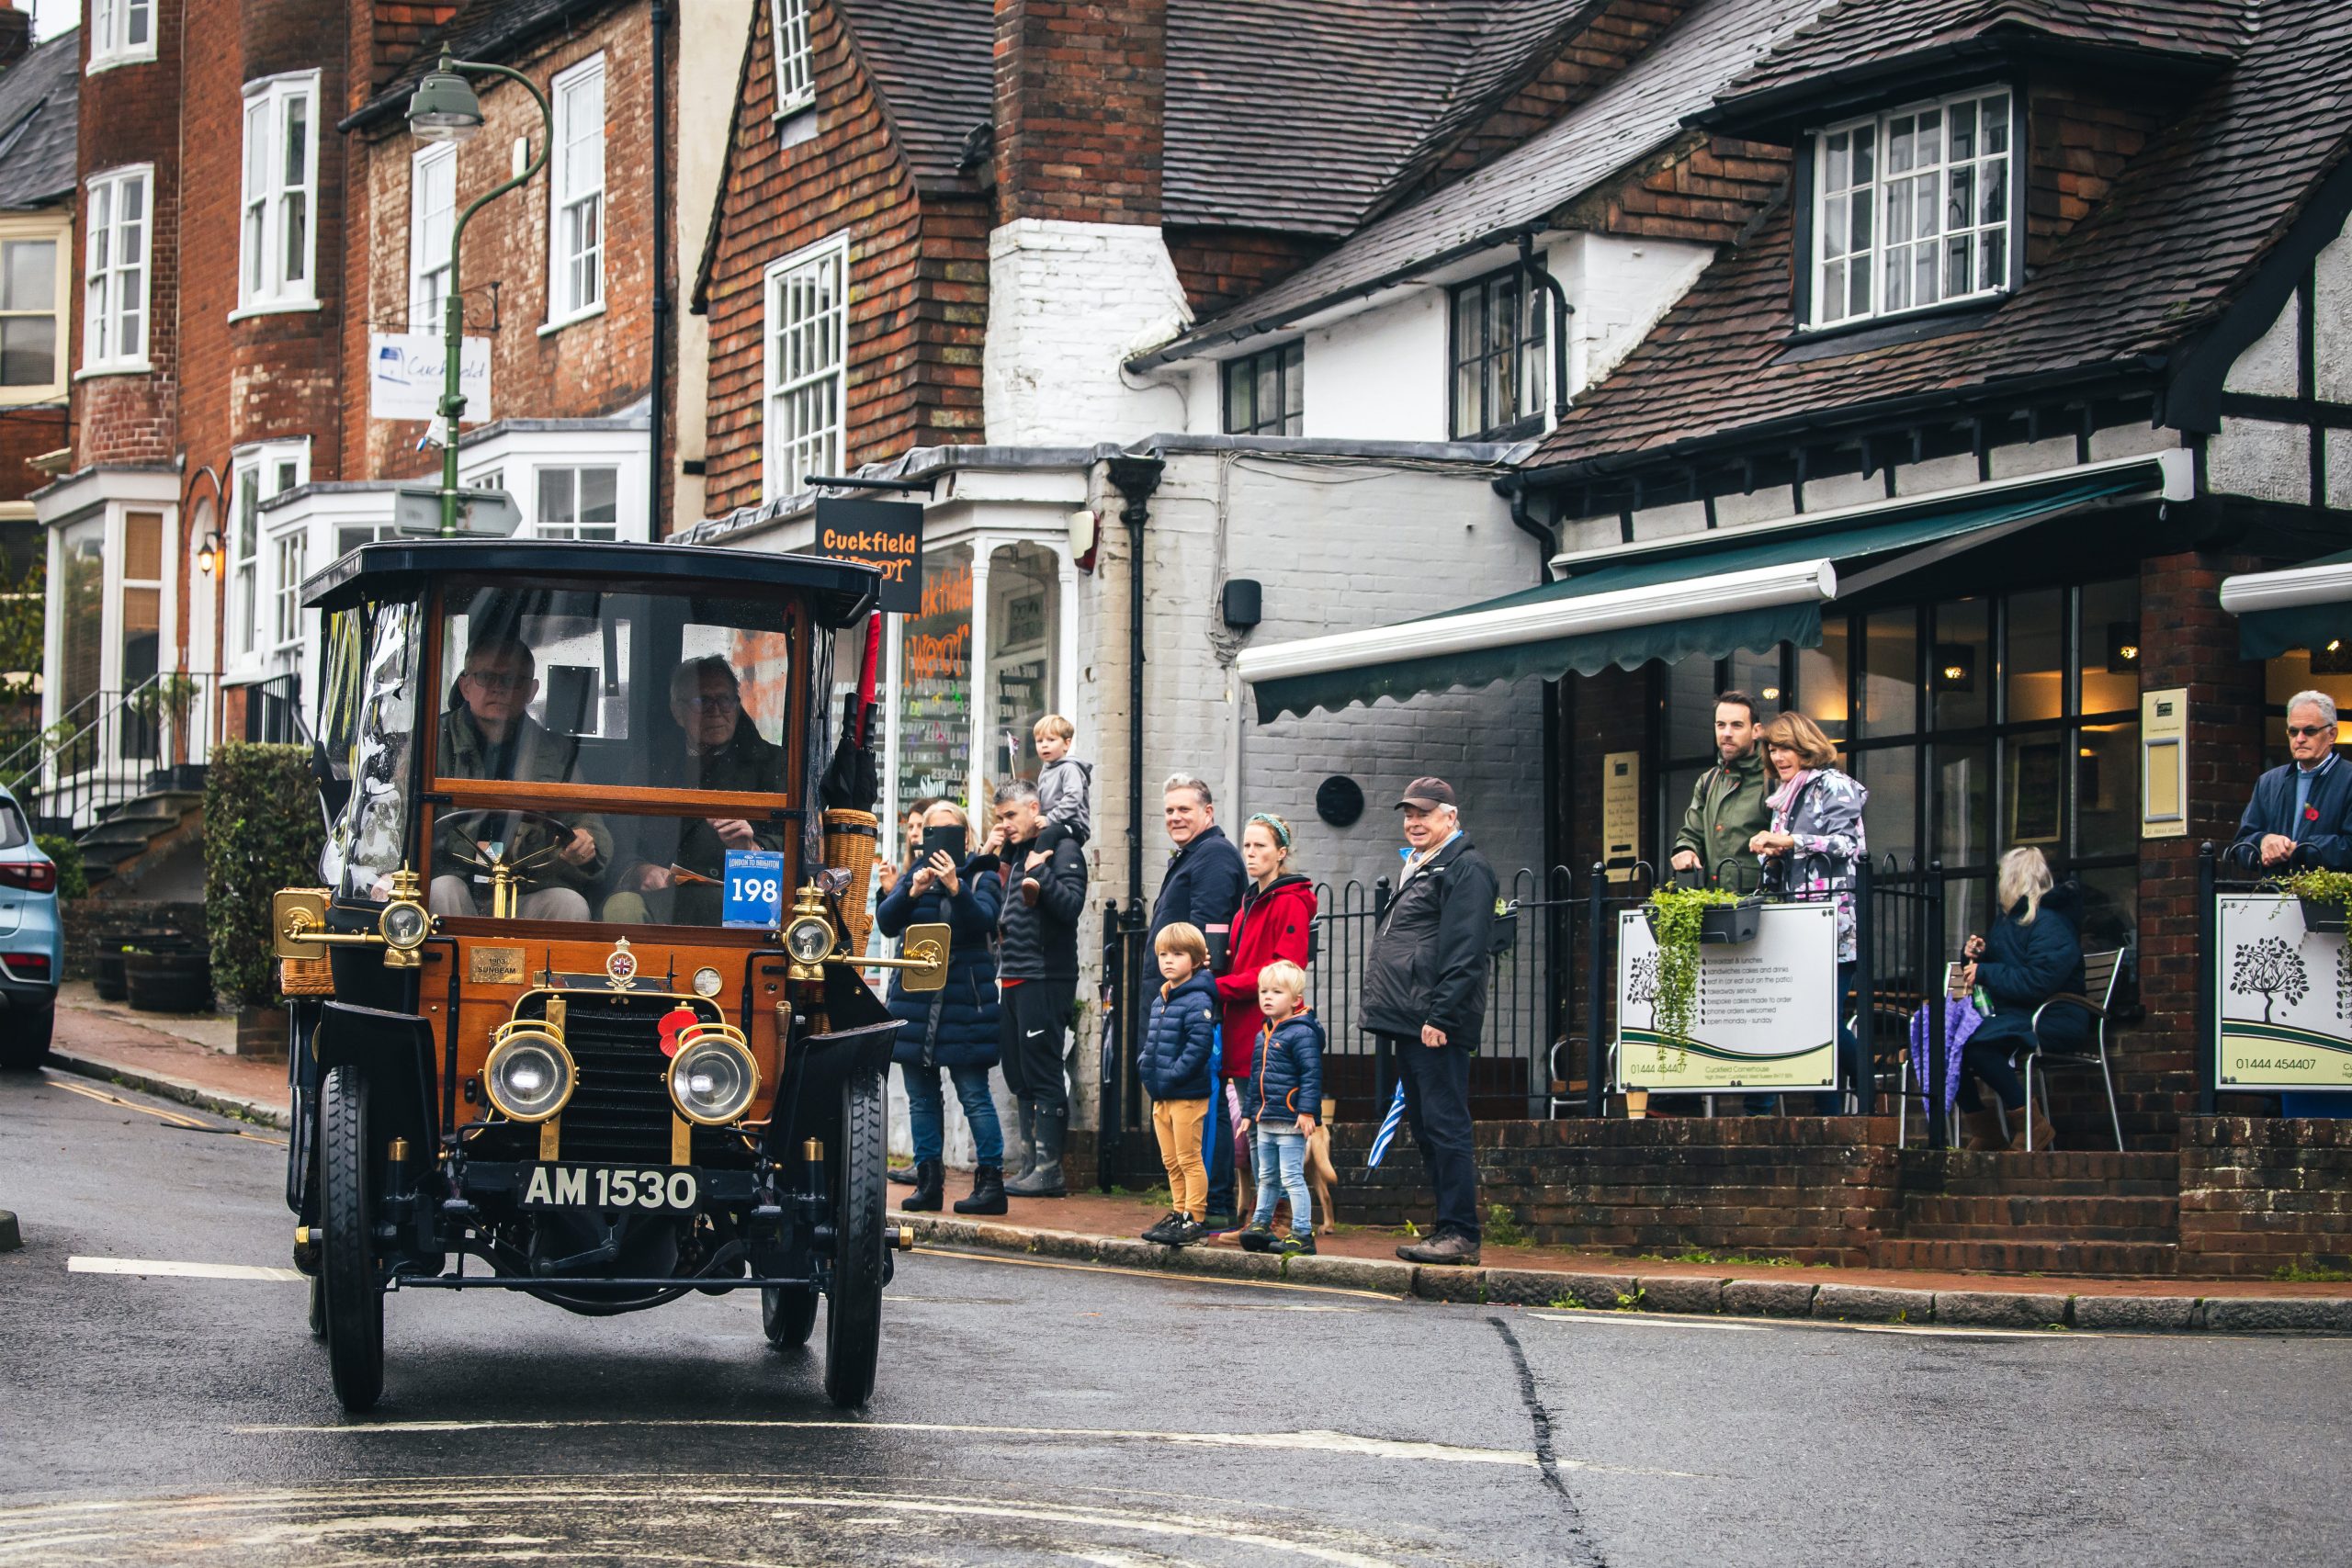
x: 952, y: 1029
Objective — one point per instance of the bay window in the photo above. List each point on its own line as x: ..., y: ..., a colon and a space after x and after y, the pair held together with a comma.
x: 576, y: 246
x: 114, y: 319
x: 277, y: 235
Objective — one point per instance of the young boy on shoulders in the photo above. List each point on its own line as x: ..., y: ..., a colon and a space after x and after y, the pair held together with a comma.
x: 1178, y: 1048
x: 1285, y: 1089
x: 1064, y: 789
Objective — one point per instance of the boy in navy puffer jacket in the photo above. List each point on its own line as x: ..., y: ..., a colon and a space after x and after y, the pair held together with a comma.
x: 1285, y: 1091
x: 1186, y: 1031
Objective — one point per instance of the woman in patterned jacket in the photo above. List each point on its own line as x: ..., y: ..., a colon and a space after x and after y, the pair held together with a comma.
x: 1812, y: 847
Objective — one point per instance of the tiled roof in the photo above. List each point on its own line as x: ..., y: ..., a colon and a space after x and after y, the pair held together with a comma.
x: 1303, y: 115
x: 2180, y: 234
x: 933, y: 61
x: 1861, y: 35
x: 40, y: 105
x: 481, y: 29
x: 1642, y: 110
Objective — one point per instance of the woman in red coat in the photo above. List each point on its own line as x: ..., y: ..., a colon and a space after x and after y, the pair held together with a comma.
x: 1277, y: 911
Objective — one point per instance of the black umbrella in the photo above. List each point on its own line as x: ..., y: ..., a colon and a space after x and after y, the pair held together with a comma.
x: 853, y: 783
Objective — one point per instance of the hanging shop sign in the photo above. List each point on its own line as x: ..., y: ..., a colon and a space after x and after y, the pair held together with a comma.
x: 2283, y: 1017
x: 1765, y: 1017
x: 406, y: 370
x: 885, y: 535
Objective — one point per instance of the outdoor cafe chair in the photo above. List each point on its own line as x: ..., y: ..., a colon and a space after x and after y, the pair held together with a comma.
x: 2100, y: 972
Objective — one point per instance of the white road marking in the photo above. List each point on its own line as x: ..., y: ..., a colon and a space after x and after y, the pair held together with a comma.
x: 1630, y: 1320
x: 163, y: 1268
x: 1931, y: 1331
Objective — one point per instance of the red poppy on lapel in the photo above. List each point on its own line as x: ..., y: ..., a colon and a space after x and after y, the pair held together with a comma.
x: 2310, y: 813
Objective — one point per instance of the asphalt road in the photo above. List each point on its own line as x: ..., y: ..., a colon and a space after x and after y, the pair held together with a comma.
x: 1036, y: 1413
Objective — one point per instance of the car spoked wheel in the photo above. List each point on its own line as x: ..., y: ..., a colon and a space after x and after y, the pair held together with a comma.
x: 352, y: 1300
x: 788, y: 1314
x: 854, y: 1311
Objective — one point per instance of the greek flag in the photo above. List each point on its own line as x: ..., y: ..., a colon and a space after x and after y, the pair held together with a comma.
x: 1388, y: 1125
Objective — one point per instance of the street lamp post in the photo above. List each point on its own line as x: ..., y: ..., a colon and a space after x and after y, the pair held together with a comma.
x: 445, y: 109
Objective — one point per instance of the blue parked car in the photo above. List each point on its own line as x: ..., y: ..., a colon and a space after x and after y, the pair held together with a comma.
x: 32, y: 947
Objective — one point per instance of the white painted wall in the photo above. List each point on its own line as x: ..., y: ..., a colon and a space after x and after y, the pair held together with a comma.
x: 1380, y: 375
x: 710, y: 37
x: 1068, y: 304
x: 1620, y: 287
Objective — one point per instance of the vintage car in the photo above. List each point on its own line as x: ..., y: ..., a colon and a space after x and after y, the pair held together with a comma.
x: 578, y: 1009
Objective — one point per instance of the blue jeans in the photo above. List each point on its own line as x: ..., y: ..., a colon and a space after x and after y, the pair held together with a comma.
x: 1282, y: 1169
x: 925, y: 1120
x: 1216, y: 1152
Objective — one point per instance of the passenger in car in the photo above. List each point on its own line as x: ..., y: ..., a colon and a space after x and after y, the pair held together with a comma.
x: 724, y: 750
x: 488, y: 734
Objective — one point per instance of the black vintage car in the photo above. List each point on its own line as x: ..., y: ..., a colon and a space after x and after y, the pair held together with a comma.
x: 578, y: 1009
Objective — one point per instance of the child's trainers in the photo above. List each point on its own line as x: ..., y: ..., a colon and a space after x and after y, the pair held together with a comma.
x: 1255, y: 1237
x: 1186, y: 1233
x: 1029, y: 891
x: 1298, y: 1245
x: 1164, y: 1233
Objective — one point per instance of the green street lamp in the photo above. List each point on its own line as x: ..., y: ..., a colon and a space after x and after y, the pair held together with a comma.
x: 445, y: 109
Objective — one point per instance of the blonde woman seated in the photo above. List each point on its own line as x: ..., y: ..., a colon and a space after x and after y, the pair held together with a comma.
x: 2033, y: 952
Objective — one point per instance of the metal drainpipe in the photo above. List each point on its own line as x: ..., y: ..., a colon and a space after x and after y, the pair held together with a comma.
x: 1561, y: 310
x: 656, y: 466
x: 1136, y: 479
x: 1514, y: 489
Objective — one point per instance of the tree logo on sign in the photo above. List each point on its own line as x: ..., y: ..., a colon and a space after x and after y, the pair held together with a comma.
x: 2270, y: 969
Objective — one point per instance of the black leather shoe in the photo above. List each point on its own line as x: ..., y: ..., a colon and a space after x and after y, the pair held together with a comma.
x: 1448, y: 1248
x: 987, y: 1192
x: 930, y: 1188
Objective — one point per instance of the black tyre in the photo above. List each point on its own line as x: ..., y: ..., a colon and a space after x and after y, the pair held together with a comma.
x: 318, y: 1308
x: 352, y: 1297
x: 787, y: 1315
x: 853, y: 1310
x: 24, y: 1037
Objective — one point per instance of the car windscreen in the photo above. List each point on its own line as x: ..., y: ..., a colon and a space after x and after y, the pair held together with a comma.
x: 680, y: 692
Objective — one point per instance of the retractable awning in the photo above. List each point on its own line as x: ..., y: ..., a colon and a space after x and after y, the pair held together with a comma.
x: 2303, y: 606
x: 1709, y: 593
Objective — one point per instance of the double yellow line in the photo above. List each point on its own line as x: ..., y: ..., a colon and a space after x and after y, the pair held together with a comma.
x: 170, y: 1118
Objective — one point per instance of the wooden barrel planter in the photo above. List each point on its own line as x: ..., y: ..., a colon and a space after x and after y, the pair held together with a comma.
x: 106, y: 974
x: 168, y: 982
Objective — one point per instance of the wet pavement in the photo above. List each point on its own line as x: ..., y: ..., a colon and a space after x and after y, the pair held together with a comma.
x: 1030, y: 1410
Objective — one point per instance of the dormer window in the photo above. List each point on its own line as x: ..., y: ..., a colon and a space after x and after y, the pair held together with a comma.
x: 795, y: 69
x: 1912, y: 207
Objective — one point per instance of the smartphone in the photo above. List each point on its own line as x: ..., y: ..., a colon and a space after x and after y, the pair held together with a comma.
x: 947, y: 840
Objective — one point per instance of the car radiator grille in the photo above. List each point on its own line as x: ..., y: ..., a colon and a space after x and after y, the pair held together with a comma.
x: 620, y: 1112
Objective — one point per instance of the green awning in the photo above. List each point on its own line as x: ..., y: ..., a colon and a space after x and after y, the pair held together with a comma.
x: 1708, y: 595
x: 2303, y: 606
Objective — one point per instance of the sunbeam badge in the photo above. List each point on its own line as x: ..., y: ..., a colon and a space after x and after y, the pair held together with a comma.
x: 620, y: 966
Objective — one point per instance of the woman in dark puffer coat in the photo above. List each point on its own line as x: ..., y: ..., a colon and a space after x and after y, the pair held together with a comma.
x: 954, y: 1027
x: 2034, y: 952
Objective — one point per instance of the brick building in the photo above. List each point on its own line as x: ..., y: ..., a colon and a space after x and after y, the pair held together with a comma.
x: 260, y: 229
x: 39, y: 107
x: 1134, y: 339
x: 2031, y: 363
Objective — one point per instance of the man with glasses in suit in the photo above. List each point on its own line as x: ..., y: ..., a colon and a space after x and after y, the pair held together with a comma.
x: 2298, y: 816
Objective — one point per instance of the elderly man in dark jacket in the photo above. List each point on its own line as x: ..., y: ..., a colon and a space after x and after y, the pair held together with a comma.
x: 1036, y: 972
x: 2301, y: 814
x: 1203, y: 887
x: 675, y: 878
x: 1425, y: 993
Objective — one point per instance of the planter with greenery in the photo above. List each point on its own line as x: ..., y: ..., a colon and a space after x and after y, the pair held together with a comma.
x: 167, y: 982
x: 2326, y: 896
x: 1678, y: 919
x: 261, y: 833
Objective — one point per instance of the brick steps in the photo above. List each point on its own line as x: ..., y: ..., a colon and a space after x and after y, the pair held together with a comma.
x: 1925, y: 1215
x: 2086, y: 1258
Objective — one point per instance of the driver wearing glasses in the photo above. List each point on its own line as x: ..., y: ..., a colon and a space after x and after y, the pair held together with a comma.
x: 487, y: 735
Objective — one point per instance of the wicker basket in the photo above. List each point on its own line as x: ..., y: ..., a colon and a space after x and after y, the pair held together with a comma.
x: 306, y: 976
x: 850, y: 842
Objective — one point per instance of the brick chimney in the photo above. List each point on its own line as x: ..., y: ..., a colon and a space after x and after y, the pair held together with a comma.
x: 387, y: 35
x: 16, y: 34
x: 1082, y: 87
x: 1079, y: 277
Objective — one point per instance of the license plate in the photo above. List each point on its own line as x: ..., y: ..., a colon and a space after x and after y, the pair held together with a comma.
x: 668, y: 1189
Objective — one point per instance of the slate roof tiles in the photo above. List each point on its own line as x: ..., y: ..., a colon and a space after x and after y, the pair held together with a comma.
x: 2184, y: 227
x: 40, y: 106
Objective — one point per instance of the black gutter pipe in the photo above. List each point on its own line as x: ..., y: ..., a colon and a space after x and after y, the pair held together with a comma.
x: 1513, y: 488
x: 1561, y: 310
x: 1136, y: 479
x: 657, y: 465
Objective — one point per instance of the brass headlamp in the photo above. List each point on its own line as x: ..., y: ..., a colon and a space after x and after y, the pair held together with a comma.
x: 811, y: 941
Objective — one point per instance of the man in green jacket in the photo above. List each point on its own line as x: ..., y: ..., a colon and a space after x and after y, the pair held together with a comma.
x: 1727, y: 803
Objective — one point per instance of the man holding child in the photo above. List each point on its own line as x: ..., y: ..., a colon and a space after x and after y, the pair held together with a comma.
x: 1037, y: 974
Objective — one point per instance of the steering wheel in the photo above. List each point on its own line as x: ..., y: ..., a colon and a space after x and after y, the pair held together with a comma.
x: 558, y: 834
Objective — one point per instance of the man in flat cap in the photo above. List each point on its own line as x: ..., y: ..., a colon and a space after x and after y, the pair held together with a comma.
x: 1425, y: 994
